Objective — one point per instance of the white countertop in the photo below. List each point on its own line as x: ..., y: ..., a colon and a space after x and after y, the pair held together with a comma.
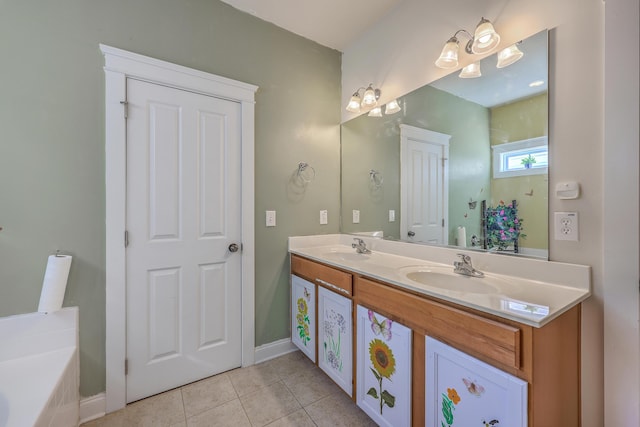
x: 529, y: 291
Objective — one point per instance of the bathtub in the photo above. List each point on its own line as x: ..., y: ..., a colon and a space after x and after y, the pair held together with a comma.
x: 39, y: 369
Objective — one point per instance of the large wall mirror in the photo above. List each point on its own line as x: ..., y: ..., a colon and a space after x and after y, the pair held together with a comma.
x: 463, y: 163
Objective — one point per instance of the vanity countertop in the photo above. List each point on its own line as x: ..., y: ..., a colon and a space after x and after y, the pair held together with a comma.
x: 526, y: 290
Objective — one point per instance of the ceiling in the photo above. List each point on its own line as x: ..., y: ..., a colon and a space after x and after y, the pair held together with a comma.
x: 332, y: 23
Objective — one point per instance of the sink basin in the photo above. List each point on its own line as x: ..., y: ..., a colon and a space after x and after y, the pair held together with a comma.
x: 346, y: 256
x: 445, y: 278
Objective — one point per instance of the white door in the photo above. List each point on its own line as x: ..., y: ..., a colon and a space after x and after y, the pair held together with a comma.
x: 183, y: 213
x: 424, y: 185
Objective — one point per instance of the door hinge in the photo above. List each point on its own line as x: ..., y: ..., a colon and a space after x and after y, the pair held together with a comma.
x: 443, y: 222
x: 125, y: 106
x: 126, y: 366
x: 126, y: 238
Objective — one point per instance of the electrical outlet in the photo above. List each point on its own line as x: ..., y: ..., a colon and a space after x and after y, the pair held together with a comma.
x: 271, y: 218
x: 324, y: 220
x: 356, y: 216
x: 566, y: 226
x: 392, y: 215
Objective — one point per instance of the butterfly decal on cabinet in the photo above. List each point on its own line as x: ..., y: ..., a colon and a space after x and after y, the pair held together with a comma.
x: 473, y: 387
x: 307, y: 295
x: 490, y: 423
x: 380, y: 328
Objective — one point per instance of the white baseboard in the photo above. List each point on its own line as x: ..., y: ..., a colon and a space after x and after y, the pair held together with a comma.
x: 92, y: 407
x: 274, y: 349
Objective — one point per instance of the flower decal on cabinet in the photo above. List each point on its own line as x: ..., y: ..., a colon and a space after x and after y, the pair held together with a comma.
x: 334, y: 328
x: 303, y: 320
x: 384, y: 366
x: 449, y: 402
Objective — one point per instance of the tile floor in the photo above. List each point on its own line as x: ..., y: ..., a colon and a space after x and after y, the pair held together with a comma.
x: 286, y: 391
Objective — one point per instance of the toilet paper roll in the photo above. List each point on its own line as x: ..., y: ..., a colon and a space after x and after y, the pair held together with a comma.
x: 462, y: 237
x: 54, y: 283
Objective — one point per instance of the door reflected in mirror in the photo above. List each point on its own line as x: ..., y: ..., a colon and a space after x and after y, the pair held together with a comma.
x: 457, y: 152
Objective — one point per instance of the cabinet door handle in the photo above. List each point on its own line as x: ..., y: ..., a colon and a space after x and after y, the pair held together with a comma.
x: 332, y: 286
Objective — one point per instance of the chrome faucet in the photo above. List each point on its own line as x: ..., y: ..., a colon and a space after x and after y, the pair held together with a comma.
x: 360, y: 246
x: 465, y: 267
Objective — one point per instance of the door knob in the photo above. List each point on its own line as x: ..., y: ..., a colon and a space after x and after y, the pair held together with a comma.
x: 411, y: 233
x: 234, y: 247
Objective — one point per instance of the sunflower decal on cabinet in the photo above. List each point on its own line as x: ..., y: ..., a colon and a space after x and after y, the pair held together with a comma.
x: 384, y: 369
x: 384, y: 365
x: 303, y: 321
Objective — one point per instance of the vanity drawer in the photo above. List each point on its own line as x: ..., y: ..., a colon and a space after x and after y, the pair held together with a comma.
x: 466, y: 331
x: 330, y: 278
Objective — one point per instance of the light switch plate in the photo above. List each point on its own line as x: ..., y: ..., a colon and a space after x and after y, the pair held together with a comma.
x: 271, y: 218
x: 566, y: 226
x: 324, y: 218
x: 356, y: 216
x: 392, y: 215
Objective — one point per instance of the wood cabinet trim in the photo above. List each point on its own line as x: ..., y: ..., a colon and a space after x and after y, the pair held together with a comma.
x: 328, y: 277
x: 469, y: 332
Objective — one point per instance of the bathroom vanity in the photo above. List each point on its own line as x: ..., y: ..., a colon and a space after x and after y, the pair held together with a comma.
x: 521, y: 320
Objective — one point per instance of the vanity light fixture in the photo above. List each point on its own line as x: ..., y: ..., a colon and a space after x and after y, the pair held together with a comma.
x: 369, y: 99
x: 484, y: 40
x: 509, y: 55
x: 471, y: 71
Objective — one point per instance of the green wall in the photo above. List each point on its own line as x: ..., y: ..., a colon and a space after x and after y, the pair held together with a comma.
x: 524, y: 119
x: 371, y: 142
x: 52, y: 122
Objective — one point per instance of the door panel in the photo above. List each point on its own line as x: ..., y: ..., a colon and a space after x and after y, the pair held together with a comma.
x: 183, y: 211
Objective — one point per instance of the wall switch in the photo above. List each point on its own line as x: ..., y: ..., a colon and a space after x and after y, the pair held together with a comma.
x: 271, y: 218
x: 566, y: 226
x: 392, y: 215
x: 324, y: 219
x: 356, y: 216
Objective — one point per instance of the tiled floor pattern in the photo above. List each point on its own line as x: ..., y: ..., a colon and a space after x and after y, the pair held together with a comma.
x: 287, y: 391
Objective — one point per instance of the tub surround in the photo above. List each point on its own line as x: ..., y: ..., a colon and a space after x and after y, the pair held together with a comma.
x: 39, y: 369
x: 527, y: 290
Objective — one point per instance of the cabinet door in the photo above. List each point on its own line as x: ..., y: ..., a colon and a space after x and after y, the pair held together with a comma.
x: 464, y: 391
x: 335, y: 355
x: 303, y: 316
x: 383, y: 369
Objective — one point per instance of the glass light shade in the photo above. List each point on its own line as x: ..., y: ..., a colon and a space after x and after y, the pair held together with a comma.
x: 508, y: 56
x: 471, y: 71
x: 354, y: 103
x: 485, y: 38
x: 376, y: 112
x: 369, y: 97
x: 392, y: 107
x: 449, y: 55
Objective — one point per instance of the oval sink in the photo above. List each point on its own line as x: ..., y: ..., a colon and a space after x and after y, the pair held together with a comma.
x: 442, y: 278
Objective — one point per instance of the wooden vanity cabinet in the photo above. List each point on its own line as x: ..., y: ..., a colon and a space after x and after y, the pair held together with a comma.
x: 334, y: 319
x: 548, y: 358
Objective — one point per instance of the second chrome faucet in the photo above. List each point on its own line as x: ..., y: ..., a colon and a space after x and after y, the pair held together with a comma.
x: 465, y: 267
x: 360, y: 246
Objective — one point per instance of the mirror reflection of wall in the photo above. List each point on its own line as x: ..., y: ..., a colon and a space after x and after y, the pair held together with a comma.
x: 374, y: 143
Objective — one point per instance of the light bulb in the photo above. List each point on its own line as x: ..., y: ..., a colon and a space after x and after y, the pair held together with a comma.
x: 485, y: 38
x: 369, y: 97
x: 449, y: 55
x: 354, y: 103
x: 392, y: 107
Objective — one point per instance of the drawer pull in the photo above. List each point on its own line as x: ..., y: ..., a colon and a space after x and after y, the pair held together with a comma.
x: 332, y: 286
